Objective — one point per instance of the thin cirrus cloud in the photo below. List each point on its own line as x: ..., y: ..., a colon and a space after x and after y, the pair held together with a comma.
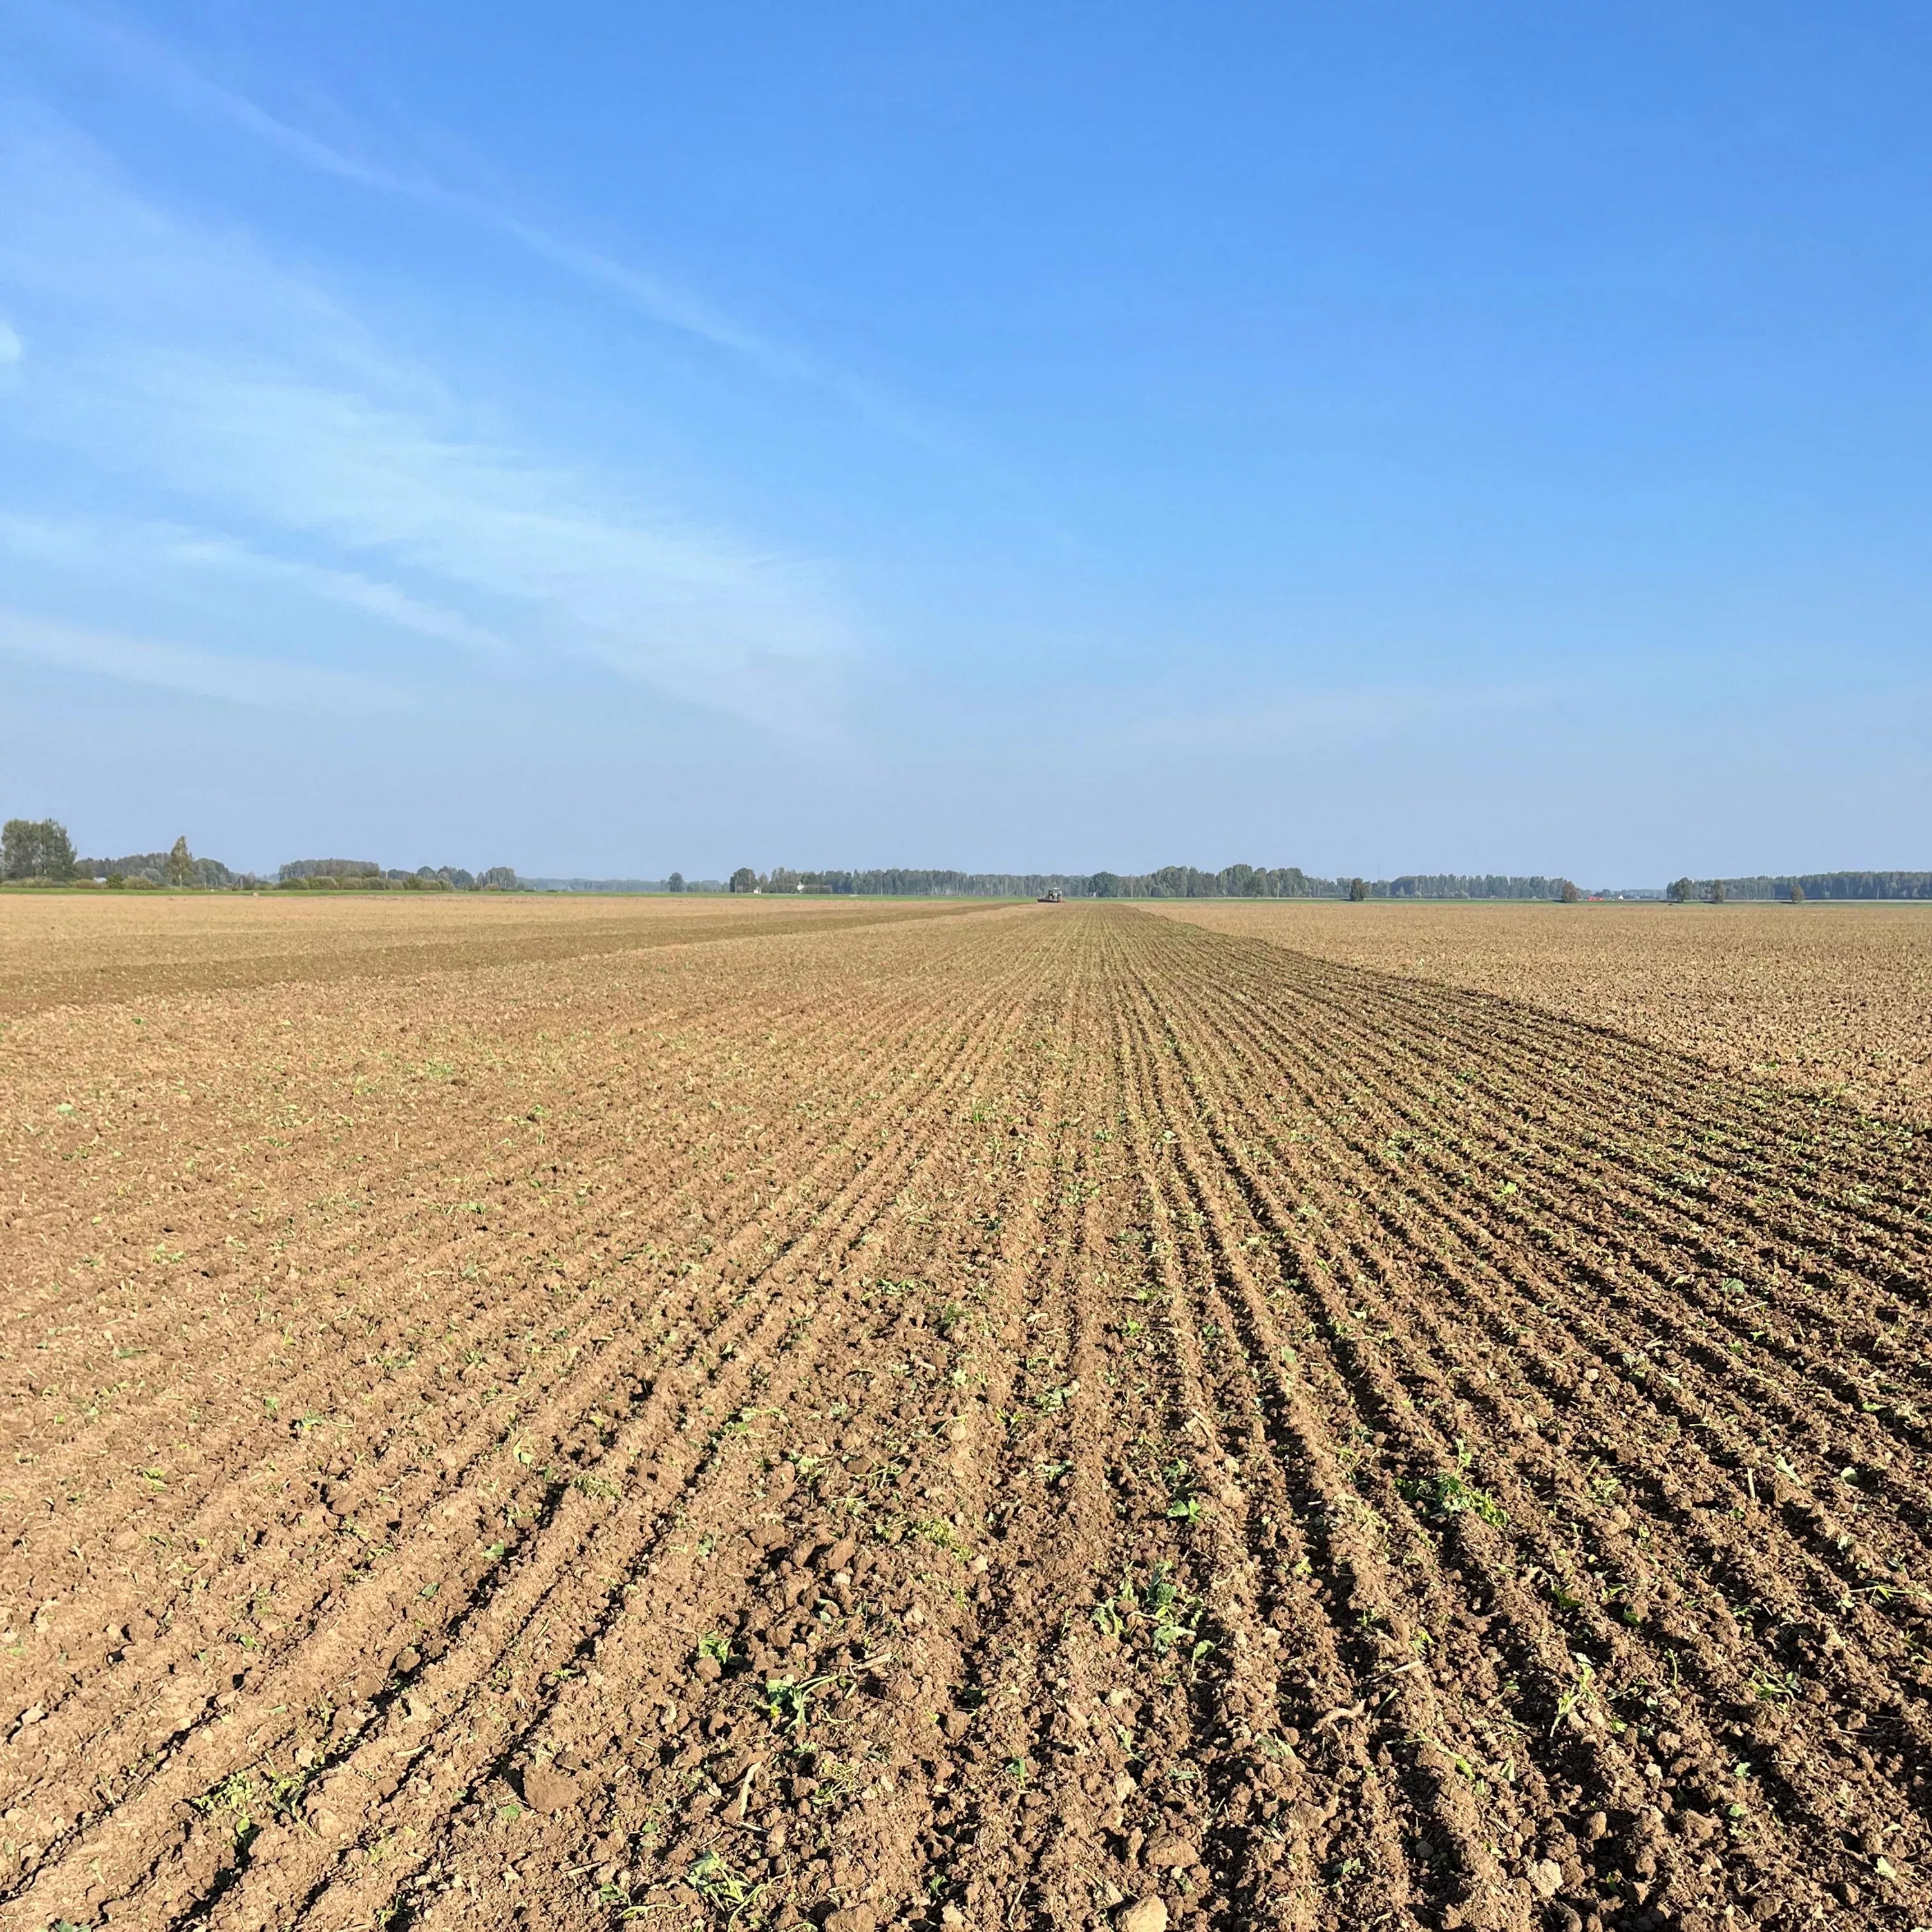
x: 655, y: 297
x: 84, y: 649
x: 152, y: 551
x: 201, y: 368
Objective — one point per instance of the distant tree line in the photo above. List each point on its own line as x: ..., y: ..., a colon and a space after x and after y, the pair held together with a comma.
x: 365, y: 875
x: 177, y: 867
x: 1290, y: 882
x: 1801, y: 886
x: 1176, y: 882
x: 677, y: 883
x: 1469, y: 886
x: 39, y: 851
x: 1170, y: 882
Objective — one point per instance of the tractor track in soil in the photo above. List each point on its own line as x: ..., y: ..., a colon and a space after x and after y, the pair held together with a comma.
x: 963, y: 1422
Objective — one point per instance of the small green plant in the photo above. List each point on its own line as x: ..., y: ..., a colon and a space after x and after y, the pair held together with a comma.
x: 1169, y: 1614
x: 718, y: 1649
x: 723, y: 1887
x: 787, y: 1702
x: 935, y: 1529
x: 1573, y: 1701
x: 234, y: 1801
x: 1183, y: 1505
x: 1605, y: 1488
x: 1450, y: 1493
x: 245, y: 1803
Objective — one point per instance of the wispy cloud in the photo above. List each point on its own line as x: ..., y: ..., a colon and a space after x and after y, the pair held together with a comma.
x: 195, y: 364
x: 166, y: 666
x: 94, y: 544
x: 652, y: 295
x: 138, y: 53
x: 659, y: 297
x: 713, y: 622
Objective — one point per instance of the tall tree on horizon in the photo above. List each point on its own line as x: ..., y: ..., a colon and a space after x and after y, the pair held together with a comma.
x: 35, y: 848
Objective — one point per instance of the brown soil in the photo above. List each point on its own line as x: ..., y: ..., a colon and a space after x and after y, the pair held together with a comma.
x: 60, y: 949
x: 983, y: 1422
x: 1837, y: 997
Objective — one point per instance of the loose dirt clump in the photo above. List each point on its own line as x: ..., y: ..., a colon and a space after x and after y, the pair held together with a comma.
x: 1046, y: 1417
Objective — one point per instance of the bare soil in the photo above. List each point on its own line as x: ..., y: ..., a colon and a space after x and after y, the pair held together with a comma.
x: 1831, y: 996
x: 1033, y: 1416
x: 57, y: 950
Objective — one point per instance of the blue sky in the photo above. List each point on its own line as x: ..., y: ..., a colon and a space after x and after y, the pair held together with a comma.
x: 600, y: 439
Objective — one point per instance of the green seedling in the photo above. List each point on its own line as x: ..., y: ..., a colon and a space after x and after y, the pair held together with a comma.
x: 1169, y: 1614
x: 1576, y: 1700
x: 235, y: 1801
x: 1450, y: 1493
x: 723, y: 1887
x: 787, y: 1700
x: 1183, y: 1505
x: 246, y: 1805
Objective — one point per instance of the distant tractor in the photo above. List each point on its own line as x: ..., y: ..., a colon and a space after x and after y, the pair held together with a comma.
x: 1055, y: 898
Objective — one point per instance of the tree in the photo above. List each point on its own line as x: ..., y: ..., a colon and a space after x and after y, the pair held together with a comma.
x: 1797, y: 893
x: 1569, y: 895
x: 1104, y: 886
x: 498, y: 879
x: 180, y: 864
x: 675, y: 883
x: 1680, y: 891
x: 1358, y: 890
x: 1714, y: 893
x: 341, y: 868
x: 744, y: 879
x: 35, y: 848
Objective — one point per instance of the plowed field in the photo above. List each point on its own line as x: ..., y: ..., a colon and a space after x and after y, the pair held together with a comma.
x: 1027, y: 1417
x: 1831, y: 996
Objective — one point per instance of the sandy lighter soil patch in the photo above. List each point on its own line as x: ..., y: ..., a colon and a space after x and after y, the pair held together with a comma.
x: 1837, y: 997
x: 1036, y: 1417
x: 63, y: 949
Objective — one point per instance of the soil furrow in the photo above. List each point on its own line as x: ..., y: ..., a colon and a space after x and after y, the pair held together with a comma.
x: 1045, y: 1419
